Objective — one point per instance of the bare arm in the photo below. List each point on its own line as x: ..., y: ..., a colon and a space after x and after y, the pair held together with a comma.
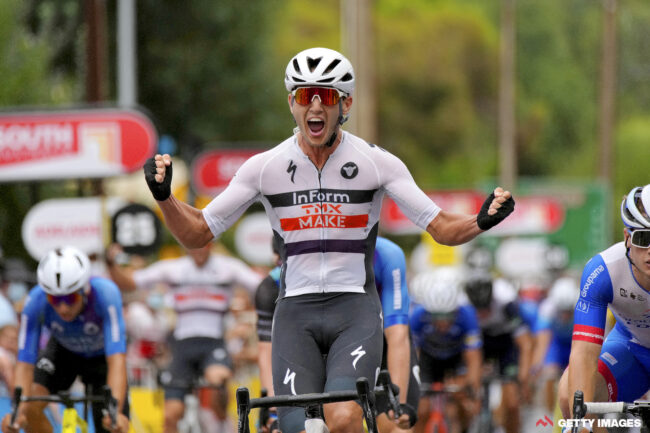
x: 524, y: 343
x: 474, y: 361
x: 184, y: 221
x: 583, y: 368
x: 121, y: 275
x: 455, y: 229
x: 116, y: 377
x: 264, y: 363
x: 399, y: 357
x: 541, y: 343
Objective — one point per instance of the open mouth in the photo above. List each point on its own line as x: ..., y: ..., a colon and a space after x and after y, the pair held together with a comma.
x: 316, y: 126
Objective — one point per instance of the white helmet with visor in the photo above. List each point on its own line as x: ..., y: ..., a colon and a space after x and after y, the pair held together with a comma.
x: 438, y: 290
x: 63, y: 271
x: 320, y: 67
x: 635, y: 213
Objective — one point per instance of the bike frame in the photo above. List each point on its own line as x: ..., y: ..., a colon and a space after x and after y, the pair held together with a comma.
x: 72, y: 420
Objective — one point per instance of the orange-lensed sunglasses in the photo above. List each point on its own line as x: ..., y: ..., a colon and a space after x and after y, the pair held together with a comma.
x: 327, y: 95
x: 69, y: 299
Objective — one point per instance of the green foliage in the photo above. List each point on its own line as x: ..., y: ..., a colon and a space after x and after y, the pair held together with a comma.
x: 437, y: 79
x: 204, y: 69
x: 27, y: 78
x: 632, y: 154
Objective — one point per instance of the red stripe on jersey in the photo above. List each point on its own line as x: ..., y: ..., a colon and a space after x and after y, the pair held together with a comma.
x: 590, y: 334
x: 612, y: 387
x: 326, y: 221
x: 179, y: 297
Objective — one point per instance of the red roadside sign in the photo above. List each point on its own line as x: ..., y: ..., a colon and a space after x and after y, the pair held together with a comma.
x: 212, y: 170
x: 73, y: 144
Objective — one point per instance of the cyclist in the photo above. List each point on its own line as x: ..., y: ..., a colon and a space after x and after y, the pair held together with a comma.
x: 322, y: 190
x: 506, y: 339
x: 389, y: 266
x: 615, y: 368
x: 553, y: 330
x: 202, y: 285
x: 448, y: 338
x: 87, y: 339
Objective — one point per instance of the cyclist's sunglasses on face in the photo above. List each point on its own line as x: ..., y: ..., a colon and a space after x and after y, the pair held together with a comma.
x: 327, y: 95
x: 443, y: 317
x: 69, y: 299
x: 641, y: 238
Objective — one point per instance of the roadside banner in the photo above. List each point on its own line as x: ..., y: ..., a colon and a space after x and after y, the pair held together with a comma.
x: 81, y: 222
x: 212, y: 170
x: 88, y: 143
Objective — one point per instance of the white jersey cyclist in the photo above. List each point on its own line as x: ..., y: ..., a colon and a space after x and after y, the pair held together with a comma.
x: 327, y: 219
x: 200, y: 295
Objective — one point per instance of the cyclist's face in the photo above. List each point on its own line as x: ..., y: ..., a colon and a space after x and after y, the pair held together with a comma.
x: 69, y: 312
x: 641, y: 259
x: 317, y: 121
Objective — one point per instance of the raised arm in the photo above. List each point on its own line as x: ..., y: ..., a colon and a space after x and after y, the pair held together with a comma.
x: 455, y: 229
x: 184, y: 221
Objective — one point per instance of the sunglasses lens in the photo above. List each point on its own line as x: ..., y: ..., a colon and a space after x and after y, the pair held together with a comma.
x: 641, y: 238
x: 68, y: 299
x: 327, y: 96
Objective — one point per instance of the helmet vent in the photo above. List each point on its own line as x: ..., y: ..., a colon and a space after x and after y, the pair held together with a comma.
x: 58, y: 279
x: 347, y: 77
x: 313, y: 63
x: 326, y: 80
x: 331, y: 66
x: 296, y: 66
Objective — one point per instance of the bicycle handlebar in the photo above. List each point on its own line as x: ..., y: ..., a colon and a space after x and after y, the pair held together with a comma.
x: 384, y: 384
x: 64, y: 398
x: 245, y: 403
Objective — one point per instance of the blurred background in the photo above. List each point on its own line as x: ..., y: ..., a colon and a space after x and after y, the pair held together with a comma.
x: 550, y: 99
x: 545, y: 98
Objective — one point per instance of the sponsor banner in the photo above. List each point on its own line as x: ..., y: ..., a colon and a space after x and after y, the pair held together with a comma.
x: 74, y: 144
x: 212, y: 170
x: 532, y: 215
x: 253, y: 237
x: 81, y: 222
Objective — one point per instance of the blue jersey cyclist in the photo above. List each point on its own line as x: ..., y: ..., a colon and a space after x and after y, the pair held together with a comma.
x: 448, y: 337
x: 389, y: 265
x: 616, y: 368
x: 87, y: 339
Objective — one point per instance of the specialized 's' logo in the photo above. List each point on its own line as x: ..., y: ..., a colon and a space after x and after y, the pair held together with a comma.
x: 349, y: 170
x: 292, y: 169
x: 46, y: 365
x: 357, y: 353
x: 290, y: 376
x: 416, y: 374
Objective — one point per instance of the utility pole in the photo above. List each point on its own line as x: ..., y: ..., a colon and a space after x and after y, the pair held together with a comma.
x: 127, y: 83
x: 507, y: 121
x: 357, y: 36
x: 95, y: 18
x: 608, y: 90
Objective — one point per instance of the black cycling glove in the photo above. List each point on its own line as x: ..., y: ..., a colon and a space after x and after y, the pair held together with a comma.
x: 485, y: 221
x: 411, y: 412
x: 160, y: 190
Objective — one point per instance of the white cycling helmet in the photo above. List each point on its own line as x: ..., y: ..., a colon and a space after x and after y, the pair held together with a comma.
x: 635, y: 208
x: 438, y: 290
x: 63, y: 271
x: 565, y: 293
x: 320, y: 67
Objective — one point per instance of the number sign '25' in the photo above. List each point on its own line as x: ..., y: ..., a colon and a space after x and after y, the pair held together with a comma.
x: 137, y: 229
